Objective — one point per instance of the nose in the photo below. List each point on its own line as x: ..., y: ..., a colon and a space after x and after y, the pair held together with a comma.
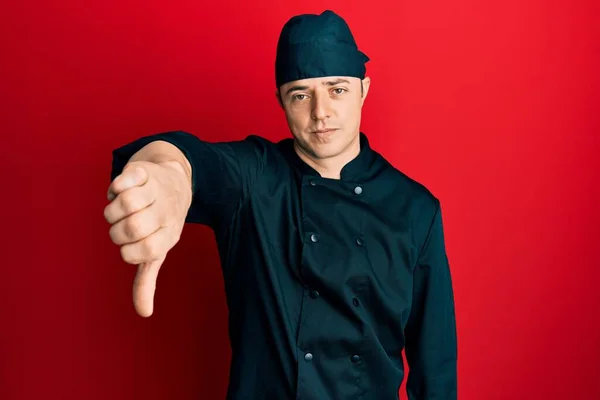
x: 321, y: 106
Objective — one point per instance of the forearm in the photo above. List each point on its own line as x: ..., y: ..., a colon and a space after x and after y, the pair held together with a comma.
x: 214, y: 175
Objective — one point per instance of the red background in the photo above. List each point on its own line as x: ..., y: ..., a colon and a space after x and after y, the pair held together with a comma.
x: 492, y: 105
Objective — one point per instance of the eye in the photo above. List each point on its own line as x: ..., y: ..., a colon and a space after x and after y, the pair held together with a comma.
x: 298, y: 97
x: 339, y: 91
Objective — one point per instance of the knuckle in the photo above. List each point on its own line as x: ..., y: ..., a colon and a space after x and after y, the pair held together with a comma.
x: 130, y: 168
x: 131, y: 201
x: 117, y: 185
x: 113, y: 233
x: 133, y: 228
x: 107, y: 213
x: 127, y: 255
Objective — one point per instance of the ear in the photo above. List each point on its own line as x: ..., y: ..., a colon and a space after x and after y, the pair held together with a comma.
x: 366, y: 83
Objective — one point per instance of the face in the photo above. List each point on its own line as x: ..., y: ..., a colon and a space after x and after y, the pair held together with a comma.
x: 324, y: 114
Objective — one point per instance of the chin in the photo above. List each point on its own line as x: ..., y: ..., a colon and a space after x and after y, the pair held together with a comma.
x: 324, y: 146
x: 326, y: 150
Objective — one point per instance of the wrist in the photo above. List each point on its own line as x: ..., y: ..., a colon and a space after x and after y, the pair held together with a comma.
x: 184, y: 174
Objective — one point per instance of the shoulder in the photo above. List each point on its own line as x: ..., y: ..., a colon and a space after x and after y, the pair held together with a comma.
x: 269, y: 153
x: 259, y: 144
x: 405, y: 186
x: 249, y: 152
x: 406, y: 199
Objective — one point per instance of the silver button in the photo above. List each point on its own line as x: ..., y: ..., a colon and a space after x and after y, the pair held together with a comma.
x: 313, y: 182
x: 355, y: 358
x: 308, y: 356
x: 358, y: 190
x: 314, y: 238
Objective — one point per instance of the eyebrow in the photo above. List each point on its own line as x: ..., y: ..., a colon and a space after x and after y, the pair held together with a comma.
x: 327, y: 83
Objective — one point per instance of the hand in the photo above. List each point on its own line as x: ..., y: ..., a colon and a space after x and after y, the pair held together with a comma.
x: 147, y: 210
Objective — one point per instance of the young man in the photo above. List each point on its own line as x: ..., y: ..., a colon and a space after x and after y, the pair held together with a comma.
x: 333, y: 260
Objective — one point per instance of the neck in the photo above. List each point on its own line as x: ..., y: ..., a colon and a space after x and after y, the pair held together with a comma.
x: 330, y: 167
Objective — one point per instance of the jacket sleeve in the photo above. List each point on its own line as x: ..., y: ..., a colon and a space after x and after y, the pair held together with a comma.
x: 222, y: 173
x: 431, y: 339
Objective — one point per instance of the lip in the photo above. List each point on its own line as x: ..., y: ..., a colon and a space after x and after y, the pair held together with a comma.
x: 324, y: 130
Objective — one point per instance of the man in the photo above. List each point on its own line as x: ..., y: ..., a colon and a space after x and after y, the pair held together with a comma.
x: 333, y: 260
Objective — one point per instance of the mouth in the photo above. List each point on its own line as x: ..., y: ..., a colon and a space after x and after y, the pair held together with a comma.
x: 324, y: 130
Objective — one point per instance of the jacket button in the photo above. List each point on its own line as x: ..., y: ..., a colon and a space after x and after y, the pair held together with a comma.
x: 314, y: 238
x: 360, y: 241
x: 313, y: 182
x: 358, y: 190
x: 314, y: 294
x: 355, y: 302
x: 308, y: 356
x: 355, y: 358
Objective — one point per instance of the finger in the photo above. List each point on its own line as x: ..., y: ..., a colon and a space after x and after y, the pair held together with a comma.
x: 150, y: 248
x: 127, y: 203
x: 135, y: 227
x: 144, y: 287
x: 131, y: 176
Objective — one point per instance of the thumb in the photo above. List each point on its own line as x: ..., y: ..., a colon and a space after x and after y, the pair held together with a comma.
x: 144, y: 286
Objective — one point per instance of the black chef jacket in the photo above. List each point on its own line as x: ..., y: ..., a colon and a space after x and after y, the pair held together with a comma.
x: 326, y: 281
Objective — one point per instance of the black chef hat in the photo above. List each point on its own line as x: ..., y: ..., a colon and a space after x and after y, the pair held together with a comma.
x: 313, y: 46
